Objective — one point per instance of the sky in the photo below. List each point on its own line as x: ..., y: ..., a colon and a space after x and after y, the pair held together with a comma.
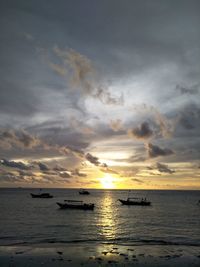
x: 100, y: 94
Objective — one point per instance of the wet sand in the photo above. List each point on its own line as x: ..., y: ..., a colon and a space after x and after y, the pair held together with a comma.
x: 99, y: 255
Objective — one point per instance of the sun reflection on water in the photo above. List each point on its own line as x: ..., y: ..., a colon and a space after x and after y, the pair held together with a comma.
x: 107, y: 218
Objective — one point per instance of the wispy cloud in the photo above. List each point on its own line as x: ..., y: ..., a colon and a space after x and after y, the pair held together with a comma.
x: 116, y: 125
x: 83, y: 76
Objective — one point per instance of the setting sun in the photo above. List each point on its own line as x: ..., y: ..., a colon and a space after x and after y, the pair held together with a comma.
x: 107, y: 182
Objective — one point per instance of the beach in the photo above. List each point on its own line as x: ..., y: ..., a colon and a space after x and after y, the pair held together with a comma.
x: 98, y: 255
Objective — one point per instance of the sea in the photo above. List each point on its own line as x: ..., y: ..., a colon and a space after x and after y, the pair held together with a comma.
x: 172, y: 219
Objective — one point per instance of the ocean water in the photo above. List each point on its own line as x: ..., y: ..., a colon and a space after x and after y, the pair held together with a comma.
x: 173, y: 218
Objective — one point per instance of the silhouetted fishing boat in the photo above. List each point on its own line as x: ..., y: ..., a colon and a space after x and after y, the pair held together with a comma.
x: 75, y: 204
x: 42, y: 195
x: 135, y: 201
x: 84, y: 192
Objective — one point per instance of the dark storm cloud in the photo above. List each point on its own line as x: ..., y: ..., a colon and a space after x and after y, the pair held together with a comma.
x: 24, y: 176
x: 23, y: 141
x: 28, y: 140
x: 164, y: 168
x: 153, y: 36
x: 186, y: 122
x: 63, y: 135
x: 65, y: 175
x: 21, y: 176
x: 102, y: 166
x: 156, y: 151
x: 19, y: 138
x: 59, y: 168
x: 164, y: 127
x: 194, y: 90
x: 15, y: 164
x: 42, y: 166
x: 92, y: 159
x: 189, y: 117
x: 141, y: 132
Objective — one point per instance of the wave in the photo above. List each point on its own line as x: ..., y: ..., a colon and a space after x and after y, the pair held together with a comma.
x: 116, y: 241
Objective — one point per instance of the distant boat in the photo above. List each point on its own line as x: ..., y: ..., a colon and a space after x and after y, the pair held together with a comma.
x: 135, y: 201
x: 84, y: 192
x: 42, y: 195
x: 75, y: 204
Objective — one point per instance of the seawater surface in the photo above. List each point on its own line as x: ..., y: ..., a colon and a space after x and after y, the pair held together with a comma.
x: 173, y: 218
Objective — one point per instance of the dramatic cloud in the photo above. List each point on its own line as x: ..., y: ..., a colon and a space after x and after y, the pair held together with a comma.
x: 21, y: 176
x: 42, y: 166
x: 25, y: 173
x: 84, y: 76
x: 8, y: 177
x: 65, y: 175
x: 92, y: 159
x: 189, y: 117
x: 141, y: 132
x: 15, y: 164
x: 163, y: 168
x: 77, y: 172
x: 19, y: 138
x: 188, y: 90
x: 156, y: 151
x: 24, y: 141
x: 165, y: 126
x: 69, y: 97
x: 80, y: 125
x: 59, y: 168
x: 186, y: 122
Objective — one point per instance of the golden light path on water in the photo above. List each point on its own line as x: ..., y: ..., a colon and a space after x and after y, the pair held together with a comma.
x: 107, y: 220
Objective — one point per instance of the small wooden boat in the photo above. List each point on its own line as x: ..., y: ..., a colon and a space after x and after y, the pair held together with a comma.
x: 75, y: 204
x: 42, y: 195
x: 135, y: 201
x: 84, y: 192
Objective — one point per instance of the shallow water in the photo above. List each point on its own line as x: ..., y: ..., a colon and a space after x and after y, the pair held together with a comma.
x: 173, y: 218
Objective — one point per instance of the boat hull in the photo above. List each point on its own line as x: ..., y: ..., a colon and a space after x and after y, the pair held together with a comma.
x: 135, y: 203
x: 84, y: 193
x: 41, y: 196
x: 76, y: 206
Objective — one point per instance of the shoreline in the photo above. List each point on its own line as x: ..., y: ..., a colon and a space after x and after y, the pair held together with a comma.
x: 101, y: 189
x: 98, y: 254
